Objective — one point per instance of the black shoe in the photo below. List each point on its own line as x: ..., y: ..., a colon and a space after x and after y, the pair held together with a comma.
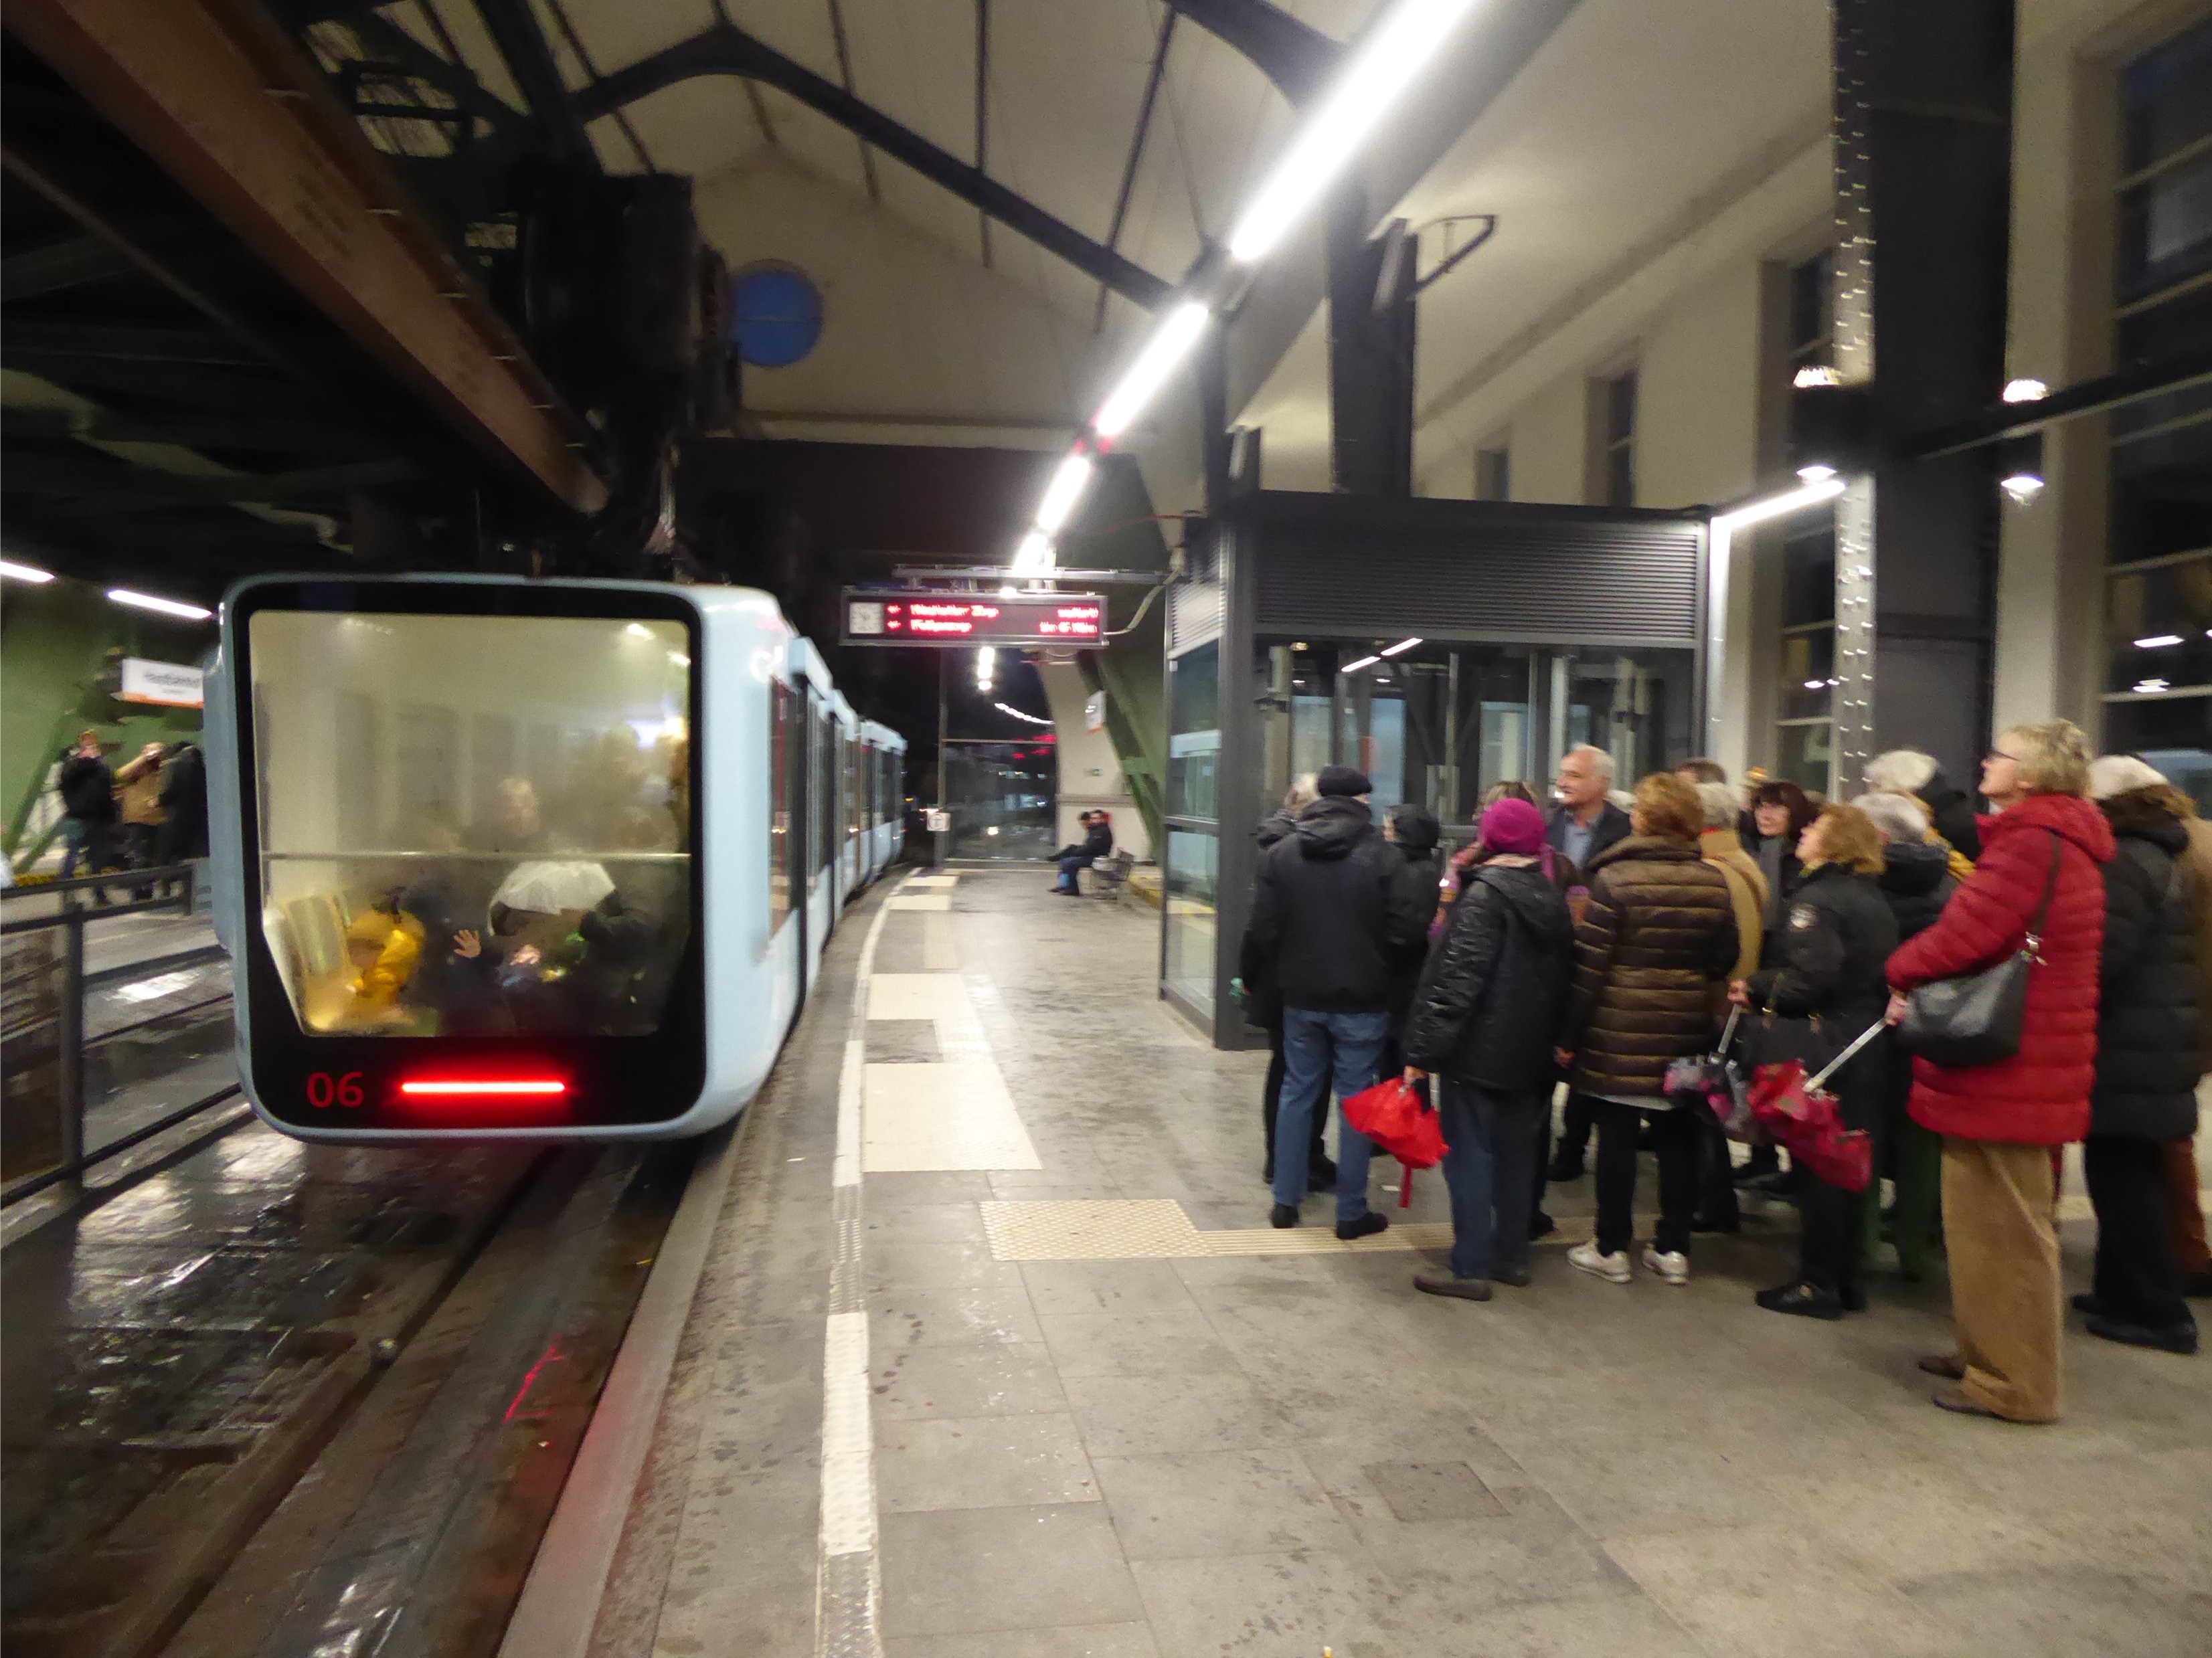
x: 1541, y: 1225
x: 2197, y: 1285
x: 1438, y: 1284
x: 1715, y: 1224
x: 1805, y: 1300
x: 1754, y: 1167
x: 2167, y: 1339
x: 1564, y: 1167
x: 1779, y: 1184
x: 1519, y: 1277
x: 1282, y: 1214
x: 2086, y: 1303
x: 1853, y: 1299
x: 1320, y: 1175
x: 1365, y: 1227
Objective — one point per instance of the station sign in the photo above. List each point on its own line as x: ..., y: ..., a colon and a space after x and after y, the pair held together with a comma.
x: 971, y: 619
x: 165, y: 684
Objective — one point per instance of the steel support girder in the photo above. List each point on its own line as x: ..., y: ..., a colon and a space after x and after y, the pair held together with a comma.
x: 726, y: 50
x: 215, y: 93
x: 513, y: 29
x: 1295, y: 55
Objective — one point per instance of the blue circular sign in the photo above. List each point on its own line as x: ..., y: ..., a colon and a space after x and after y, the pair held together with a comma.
x: 775, y: 316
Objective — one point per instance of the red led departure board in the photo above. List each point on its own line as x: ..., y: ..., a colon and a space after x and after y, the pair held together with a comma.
x: 912, y: 618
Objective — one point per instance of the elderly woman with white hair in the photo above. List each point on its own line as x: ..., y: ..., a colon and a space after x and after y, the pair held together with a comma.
x: 1919, y: 778
x: 2150, y: 1052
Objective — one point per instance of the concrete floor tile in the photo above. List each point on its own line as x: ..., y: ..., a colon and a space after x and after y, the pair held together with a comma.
x: 1252, y: 1502
x: 1059, y: 1287
x: 1619, y: 1484
x: 1258, y: 1605
x: 1112, y: 1344
x: 1086, y: 1641
x: 2065, y: 1614
x: 1593, y: 1626
x: 899, y: 1190
x: 888, y: 1225
x: 998, y: 1378
x: 937, y: 1267
x: 980, y: 1463
x: 973, y: 1570
x: 1464, y: 1570
x: 955, y: 1317
x: 1150, y: 1415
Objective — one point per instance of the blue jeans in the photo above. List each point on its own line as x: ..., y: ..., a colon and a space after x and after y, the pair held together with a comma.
x: 1490, y: 1162
x: 85, y: 844
x: 1319, y: 1048
x: 1067, y: 868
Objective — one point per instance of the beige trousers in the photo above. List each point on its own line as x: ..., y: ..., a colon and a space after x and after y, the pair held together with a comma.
x: 2006, y: 1293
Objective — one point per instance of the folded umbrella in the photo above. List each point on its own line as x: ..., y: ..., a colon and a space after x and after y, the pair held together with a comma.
x: 1394, y: 1114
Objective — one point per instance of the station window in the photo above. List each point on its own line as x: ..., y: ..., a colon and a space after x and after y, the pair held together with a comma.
x: 1618, y: 458
x: 782, y: 853
x: 1805, y: 665
x: 2157, y: 605
x: 775, y: 316
x: 1493, y: 474
x: 1193, y: 868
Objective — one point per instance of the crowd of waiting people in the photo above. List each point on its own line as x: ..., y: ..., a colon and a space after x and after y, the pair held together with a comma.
x: 1599, y: 944
x: 150, y: 812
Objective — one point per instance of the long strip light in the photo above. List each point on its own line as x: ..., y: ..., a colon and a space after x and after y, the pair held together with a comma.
x: 1407, y: 41
x: 1363, y: 662
x: 986, y: 663
x: 1018, y: 714
x: 1402, y: 644
x: 1757, y: 512
x: 1821, y: 484
x: 138, y: 601
x: 30, y: 572
x: 1384, y: 64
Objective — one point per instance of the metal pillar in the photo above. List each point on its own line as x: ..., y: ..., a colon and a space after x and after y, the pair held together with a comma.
x: 1370, y: 350
x: 1922, y: 130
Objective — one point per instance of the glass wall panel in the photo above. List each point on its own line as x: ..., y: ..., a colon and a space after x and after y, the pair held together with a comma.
x: 1194, y: 734
x: 1193, y: 881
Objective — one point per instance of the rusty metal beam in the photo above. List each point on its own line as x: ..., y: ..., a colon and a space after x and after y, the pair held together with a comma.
x: 216, y: 94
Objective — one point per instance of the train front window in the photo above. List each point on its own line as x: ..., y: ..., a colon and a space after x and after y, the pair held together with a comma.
x: 473, y: 825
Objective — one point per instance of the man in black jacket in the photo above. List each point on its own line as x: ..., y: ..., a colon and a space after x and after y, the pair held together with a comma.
x: 1333, y: 912
x: 87, y: 791
x: 1481, y: 1020
x: 1098, y: 842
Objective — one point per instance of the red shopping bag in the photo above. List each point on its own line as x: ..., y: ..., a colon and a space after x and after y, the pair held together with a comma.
x: 1394, y: 1115
x: 1803, y: 1117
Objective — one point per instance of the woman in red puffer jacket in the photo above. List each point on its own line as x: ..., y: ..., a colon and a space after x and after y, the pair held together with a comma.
x: 2000, y: 1122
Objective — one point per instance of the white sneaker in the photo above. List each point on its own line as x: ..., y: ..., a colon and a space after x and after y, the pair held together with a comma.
x: 1612, y: 1268
x: 1673, y: 1264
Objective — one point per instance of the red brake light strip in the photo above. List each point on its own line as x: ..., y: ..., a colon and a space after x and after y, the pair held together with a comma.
x: 456, y: 1086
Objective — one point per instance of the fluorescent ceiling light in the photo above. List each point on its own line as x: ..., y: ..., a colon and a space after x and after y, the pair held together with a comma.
x: 1169, y: 344
x: 639, y: 629
x: 165, y: 606
x: 1018, y: 714
x: 1757, y: 512
x: 1363, y: 662
x: 2158, y: 641
x: 1407, y: 41
x: 15, y: 572
x: 1063, y: 492
x: 2151, y: 684
x: 2022, y: 487
x: 1816, y: 373
x: 1034, y: 552
x: 1816, y: 684
x: 2026, y: 391
x: 1402, y: 644
x: 1816, y: 472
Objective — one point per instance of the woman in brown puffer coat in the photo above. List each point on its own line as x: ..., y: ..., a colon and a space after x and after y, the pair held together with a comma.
x: 1659, y: 934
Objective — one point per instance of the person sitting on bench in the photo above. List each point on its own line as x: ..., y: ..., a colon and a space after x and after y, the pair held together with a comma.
x: 1098, y: 842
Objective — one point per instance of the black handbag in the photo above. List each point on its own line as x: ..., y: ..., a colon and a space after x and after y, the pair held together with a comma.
x: 1977, y: 1018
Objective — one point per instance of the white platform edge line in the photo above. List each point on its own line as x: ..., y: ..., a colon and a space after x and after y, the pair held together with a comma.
x: 559, y: 1605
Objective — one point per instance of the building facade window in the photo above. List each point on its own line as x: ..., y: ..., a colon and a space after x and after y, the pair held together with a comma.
x: 2158, y: 600
x: 1493, y: 474
x: 1618, y: 471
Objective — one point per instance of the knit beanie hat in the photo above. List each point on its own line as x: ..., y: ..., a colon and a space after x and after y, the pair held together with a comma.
x: 1513, y: 826
x: 1342, y: 779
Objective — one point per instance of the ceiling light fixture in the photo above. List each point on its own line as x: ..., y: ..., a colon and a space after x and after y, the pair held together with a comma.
x: 2020, y: 487
x: 1363, y: 662
x: 1816, y: 373
x: 1018, y: 714
x: 1757, y: 512
x: 1407, y: 42
x: 1818, y: 472
x: 1170, y: 342
x: 165, y: 606
x: 2158, y: 641
x: 1402, y: 644
x: 30, y: 572
x: 1063, y: 492
x: 1034, y: 552
x: 2150, y: 685
x: 2026, y: 391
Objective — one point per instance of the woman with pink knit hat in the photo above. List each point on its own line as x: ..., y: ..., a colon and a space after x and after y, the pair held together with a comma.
x: 1483, y: 1020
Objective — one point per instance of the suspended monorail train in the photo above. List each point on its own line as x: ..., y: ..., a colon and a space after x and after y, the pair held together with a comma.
x: 546, y: 860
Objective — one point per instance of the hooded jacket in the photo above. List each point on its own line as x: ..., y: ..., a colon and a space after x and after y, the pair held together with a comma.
x: 1916, y: 879
x: 2040, y: 1096
x: 1951, y: 814
x: 1332, y: 912
x: 88, y: 788
x: 1659, y: 931
x: 1488, y: 1000
x: 2150, y: 1021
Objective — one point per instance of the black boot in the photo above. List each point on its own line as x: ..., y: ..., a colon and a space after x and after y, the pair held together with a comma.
x: 1805, y: 1300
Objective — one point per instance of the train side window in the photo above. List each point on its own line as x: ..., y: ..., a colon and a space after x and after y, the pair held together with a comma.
x: 780, y: 856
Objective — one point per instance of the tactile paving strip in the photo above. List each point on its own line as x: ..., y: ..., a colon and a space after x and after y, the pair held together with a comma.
x: 1156, y: 1229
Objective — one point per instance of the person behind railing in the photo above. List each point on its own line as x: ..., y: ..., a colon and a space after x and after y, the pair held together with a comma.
x: 1839, y: 937
x: 87, y: 791
x: 138, y: 783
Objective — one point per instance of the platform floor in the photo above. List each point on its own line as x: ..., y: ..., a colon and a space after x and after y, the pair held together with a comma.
x: 1024, y: 1374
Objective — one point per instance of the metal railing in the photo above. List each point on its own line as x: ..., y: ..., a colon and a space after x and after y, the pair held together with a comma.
x: 42, y: 1005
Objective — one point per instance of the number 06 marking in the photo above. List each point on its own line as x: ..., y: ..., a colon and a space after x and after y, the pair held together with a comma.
x: 325, y: 1091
